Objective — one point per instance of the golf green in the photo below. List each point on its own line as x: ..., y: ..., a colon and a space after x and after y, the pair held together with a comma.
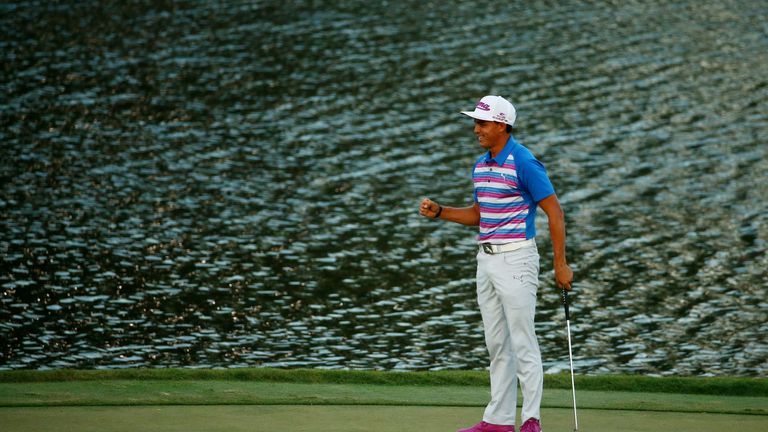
x: 359, y: 418
x: 309, y: 400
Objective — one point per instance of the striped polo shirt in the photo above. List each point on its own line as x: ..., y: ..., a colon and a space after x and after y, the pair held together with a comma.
x: 508, y: 188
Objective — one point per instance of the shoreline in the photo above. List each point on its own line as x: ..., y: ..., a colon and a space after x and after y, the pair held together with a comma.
x: 731, y: 386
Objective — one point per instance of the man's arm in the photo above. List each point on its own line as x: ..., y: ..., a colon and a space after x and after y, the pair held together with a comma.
x: 464, y: 215
x: 556, y: 219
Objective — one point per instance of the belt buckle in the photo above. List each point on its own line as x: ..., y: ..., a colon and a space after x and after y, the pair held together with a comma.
x: 487, y: 248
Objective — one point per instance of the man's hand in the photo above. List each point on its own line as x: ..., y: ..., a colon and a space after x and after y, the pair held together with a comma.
x: 469, y: 216
x: 563, y: 276
x: 428, y: 208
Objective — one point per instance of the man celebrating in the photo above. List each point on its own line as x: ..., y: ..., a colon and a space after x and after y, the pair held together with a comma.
x: 509, y: 183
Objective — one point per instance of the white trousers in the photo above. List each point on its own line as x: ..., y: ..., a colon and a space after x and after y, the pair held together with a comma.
x: 506, y: 293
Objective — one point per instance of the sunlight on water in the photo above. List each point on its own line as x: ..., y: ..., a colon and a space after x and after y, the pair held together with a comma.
x: 214, y: 184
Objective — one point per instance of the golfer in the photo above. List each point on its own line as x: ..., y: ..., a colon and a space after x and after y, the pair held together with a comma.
x: 509, y: 185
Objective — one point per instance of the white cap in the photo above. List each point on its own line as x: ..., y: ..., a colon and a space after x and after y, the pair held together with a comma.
x: 493, y: 108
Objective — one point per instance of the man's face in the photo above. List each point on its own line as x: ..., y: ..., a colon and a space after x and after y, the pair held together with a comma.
x: 488, y: 132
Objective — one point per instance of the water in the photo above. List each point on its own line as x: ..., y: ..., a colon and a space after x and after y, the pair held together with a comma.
x: 224, y: 184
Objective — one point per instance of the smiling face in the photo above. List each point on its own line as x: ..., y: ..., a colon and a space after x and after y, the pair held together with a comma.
x: 491, y: 135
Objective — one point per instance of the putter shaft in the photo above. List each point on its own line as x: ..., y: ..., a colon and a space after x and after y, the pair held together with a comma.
x: 570, y: 358
x: 573, y: 381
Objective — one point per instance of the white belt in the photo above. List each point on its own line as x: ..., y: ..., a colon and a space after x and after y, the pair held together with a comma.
x: 493, y: 249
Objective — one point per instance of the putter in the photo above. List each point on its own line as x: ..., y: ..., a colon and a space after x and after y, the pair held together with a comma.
x: 570, y: 358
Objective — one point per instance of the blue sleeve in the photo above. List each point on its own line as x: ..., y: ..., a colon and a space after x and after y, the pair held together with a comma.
x: 533, y: 177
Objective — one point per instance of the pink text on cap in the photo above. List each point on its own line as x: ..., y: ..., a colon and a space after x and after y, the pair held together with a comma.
x: 483, y: 106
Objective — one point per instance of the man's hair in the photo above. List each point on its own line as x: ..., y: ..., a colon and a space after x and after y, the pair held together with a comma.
x: 509, y: 128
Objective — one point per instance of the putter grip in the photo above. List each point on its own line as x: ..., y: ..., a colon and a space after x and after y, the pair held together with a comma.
x: 565, y: 305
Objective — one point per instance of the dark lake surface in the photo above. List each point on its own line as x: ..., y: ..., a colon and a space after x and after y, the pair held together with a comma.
x: 232, y: 184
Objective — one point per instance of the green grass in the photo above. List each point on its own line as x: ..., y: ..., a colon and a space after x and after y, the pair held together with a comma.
x: 616, y: 383
x: 260, y: 418
x: 321, y: 387
x: 347, y: 401
x: 213, y: 392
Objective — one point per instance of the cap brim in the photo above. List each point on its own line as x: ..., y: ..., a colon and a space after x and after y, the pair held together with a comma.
x: 478, y: 115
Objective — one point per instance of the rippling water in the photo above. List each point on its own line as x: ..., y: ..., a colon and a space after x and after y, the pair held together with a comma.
x: 224, y: 184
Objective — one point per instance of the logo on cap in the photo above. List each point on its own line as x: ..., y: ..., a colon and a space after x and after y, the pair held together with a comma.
x: 483, y: 106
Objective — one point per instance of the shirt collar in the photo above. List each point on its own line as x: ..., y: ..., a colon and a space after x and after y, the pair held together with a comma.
x: 504, y: 153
